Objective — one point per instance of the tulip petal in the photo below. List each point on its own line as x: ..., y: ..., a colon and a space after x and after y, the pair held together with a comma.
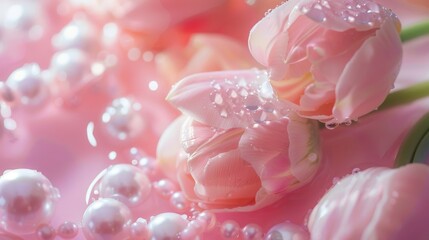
x: 282, y: 163
x: 377, y: 203
x: 362, y: 89
x: 228, y: 99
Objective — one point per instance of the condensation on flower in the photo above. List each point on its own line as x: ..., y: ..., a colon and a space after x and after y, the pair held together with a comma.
x: 335, y: 60
x: 237, y: 146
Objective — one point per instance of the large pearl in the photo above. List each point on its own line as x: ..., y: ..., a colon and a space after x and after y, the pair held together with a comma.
x: 126, y: 183
x: 27, y: 200
x: 106, y: 219
x: 167, y: 226
x: 123, y: 119
x: 27, y: 84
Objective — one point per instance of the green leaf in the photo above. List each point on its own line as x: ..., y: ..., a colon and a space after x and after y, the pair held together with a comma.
x: 415, y: 147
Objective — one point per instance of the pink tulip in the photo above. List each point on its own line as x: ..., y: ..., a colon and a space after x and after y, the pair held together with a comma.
x: 377, y: 203
x: 237, y: 151
x: 336, y: 60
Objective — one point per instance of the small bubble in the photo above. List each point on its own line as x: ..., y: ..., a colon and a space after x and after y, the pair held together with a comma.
x: 350, y: 19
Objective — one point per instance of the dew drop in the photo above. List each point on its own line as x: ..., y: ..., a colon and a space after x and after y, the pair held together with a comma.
x: 335, y: 180
x: 244, y: 93
x: 233, y: 94
x: 312, y: 157
x: 224, y: 113
x: 331, y: 126
x: 218, y: 99
x: 355, y: 170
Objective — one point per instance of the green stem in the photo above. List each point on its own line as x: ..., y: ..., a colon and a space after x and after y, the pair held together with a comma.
x: 415, y: 31
x: 406, y: 95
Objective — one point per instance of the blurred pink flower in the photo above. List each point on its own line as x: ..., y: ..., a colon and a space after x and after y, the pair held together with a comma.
x: 237, y: 151
x: 203, y: 53
x: 377, y: 203
x: 336, y: 60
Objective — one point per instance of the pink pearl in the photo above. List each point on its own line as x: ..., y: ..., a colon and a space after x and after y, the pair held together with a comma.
x: 27, y: 200
x: 140, y: 230
x: 230, y: 229
x: 125, y: 183
x: 287, y: 231
x: 179, y: 201
x: 167, y: 226
x: 46, y: 232
x: 106, y: 218
x: 79, y: 33
x: 68, y: 230
x: 252, y: 232
x: 164, y: 187
x: 27, y: 84
x: 208, y: 218
x: 69, y: 69
x: 123, y: 120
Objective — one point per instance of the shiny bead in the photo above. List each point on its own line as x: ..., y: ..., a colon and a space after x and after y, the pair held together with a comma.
x: 46, y: 232
x: 123, y: 120
x: 167, y: 226
x: 68, y: 230
x: 164, y: 187
x: 126, y: 183
x: 208, y: 218
x: 27, y: 200
x: 230, y: 229
x: 287, y: 231
x: 139, y: 230
x: 252, y: 232
x: 106, y: 218
x: 69, y: 69
x: 27, y: 84
x: 79, y: 33
x: 179, y: 201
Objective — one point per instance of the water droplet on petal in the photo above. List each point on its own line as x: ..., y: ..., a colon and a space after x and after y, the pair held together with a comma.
x: 331, y: 126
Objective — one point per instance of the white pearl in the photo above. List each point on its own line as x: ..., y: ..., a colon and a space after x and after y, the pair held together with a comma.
x: 167, y: 226
x: 127, y: 183
x: 287, y: 231
x: 123, y: 119
x: 106, y: 218
x: 28, y: 84
x: 69, y: 68
x: 79, y: 33
x: 230, y: 229
x: 27, y: 200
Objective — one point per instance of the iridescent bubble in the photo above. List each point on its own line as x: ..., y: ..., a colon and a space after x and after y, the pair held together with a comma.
x: 140, y: 230
x: 179, y: 201
x: 165, y: 187
x: 208, y: 218
x: 28, y: 85
x: 106, y: 218
x: 123, y: 119
x: 167, y: 226
x: 126, y: 183
x: 27, y: 200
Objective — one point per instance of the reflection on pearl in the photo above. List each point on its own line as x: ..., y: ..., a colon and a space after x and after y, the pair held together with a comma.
x: 126, y: 183
x: 23, y: 16
x: 140, y: 230
x: 79, y: 33
x: 167, y: 226
x: 106, y: 218
x: 123, y: 119
x: 46, y: 232
x: 252, y: 232
x: 230, y: 229
x: 27, y: 200
x: 27, y: 84
x: 70, y: 68
x: 287, y: 231
x: 67, y: 230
